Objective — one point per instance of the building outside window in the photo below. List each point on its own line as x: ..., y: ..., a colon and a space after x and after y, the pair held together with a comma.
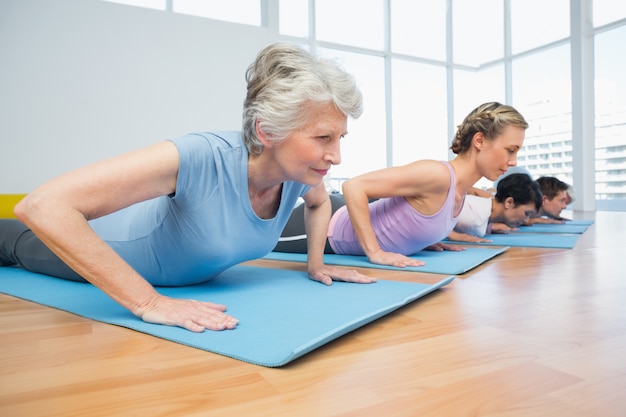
x: 424, y: 64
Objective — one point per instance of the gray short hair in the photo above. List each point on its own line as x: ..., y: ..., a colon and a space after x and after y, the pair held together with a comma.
x: 282, y: 80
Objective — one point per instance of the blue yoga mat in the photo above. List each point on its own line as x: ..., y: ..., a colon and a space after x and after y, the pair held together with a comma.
x: 580, y: 222
x: 282, y: 314
x: 554, y: 228
x: 530, y: 240
x: 446, y: 262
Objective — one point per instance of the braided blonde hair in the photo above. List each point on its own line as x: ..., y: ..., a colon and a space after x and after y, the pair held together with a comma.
x: 490, y: 119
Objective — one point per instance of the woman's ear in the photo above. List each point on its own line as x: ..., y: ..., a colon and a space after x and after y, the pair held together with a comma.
x: 261, y: 135
x: 509, y: 202
x: 478, y: 140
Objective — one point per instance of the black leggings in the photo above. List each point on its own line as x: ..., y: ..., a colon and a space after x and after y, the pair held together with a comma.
x: 293, y: 237
x: 19, y: 246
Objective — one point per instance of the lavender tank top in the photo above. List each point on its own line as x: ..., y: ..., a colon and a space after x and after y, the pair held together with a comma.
x: 398, y: 226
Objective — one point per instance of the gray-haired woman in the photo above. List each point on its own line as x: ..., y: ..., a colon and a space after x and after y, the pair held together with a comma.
x: 175, y: 213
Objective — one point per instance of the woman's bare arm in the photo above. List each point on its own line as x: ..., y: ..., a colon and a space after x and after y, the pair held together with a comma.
x: 58, y: 213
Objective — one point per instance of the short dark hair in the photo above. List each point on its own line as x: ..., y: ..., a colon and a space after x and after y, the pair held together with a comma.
x: 521, y: 187
x: 551, y: 186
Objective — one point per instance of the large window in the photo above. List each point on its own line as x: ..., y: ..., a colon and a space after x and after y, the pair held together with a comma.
x: 364, y: 18
x: 419, y: 112
x: 610, y: 100
x: 293, y: 18
x: 478, y: 31
x: 608, y: 11
x: 538, y: 22
x: 364, y: 148
x: 424, y: 64
x: 544, y: 98
x: 473, y: 87
x: 411, y: 21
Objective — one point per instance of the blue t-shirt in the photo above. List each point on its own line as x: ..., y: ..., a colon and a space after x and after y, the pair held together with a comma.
x: 207, y: 226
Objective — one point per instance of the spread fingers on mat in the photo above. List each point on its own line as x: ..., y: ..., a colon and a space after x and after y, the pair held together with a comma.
x: 192, y: 315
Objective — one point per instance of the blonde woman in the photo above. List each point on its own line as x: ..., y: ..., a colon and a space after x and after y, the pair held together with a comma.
x: 395, y: 212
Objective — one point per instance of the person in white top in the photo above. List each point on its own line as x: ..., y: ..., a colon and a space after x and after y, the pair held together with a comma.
x: 517, y: 198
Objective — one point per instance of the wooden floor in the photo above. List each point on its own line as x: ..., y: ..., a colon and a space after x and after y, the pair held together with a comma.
x: 534, y: 332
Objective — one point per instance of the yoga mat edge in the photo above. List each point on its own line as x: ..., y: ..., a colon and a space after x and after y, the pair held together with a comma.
x: 446, y: 262
x: 277, y: 309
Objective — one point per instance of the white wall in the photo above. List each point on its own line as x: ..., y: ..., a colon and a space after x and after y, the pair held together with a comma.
x: 81, y: 80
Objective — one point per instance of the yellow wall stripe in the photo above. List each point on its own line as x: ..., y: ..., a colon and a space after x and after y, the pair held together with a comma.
x: 7, y: 202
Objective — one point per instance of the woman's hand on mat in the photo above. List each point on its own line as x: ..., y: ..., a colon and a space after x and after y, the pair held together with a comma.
x: 193, y: 315
x: 465, y: 237
x: 326, y: 274
x: 440, y: 247
x: 501, y: 228
x: 393, y: 259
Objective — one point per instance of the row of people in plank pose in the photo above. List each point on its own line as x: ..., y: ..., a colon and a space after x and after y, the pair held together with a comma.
x: 174, y: 213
